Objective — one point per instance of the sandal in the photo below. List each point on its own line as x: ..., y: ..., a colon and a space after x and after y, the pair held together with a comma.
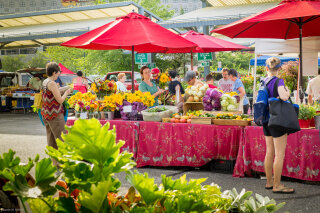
x: 268, y: 187
x: 284, y: 190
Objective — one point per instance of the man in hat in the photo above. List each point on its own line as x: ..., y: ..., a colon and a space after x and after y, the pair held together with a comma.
x: 155, y: 72
x: 191, y: 79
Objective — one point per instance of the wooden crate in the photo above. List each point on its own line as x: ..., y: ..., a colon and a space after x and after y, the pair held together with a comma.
x: 223, y: 112
x: 229, y: 122
x: 166, y: 120
x: 193, y: 106
x: 197, y: 120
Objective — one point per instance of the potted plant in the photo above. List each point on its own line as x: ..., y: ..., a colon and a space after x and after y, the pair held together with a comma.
x: 306, y: 113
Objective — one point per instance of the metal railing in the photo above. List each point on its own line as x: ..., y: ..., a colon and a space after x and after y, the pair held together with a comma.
x: 45, y: 32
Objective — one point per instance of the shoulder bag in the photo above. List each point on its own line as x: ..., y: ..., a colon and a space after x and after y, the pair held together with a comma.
x: 283, y: 114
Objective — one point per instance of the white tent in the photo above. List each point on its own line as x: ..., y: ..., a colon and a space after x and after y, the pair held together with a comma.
x: 310, y: 48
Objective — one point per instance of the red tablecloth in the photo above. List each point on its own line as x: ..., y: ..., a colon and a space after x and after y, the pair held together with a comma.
x: 125, y: 130
x: 302, y: 158
x: 169, y: 144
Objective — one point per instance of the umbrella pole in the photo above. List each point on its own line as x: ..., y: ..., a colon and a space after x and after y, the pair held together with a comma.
x: 191, y: 61
x: 132, y: 69
x: 300, y: 76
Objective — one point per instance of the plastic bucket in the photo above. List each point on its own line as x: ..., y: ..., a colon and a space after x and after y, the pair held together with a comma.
x: 304, y: 123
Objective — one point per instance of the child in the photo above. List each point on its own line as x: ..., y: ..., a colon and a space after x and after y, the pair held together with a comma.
x: 209, y: 81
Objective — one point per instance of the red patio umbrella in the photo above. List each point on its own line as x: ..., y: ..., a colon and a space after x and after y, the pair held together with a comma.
x: 206, y: 44
x: 133, y: 32
x: 290, y: 19
x: 65, y: 70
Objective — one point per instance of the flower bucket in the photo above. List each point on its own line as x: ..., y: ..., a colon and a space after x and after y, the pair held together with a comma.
x: 312, y: 123
x: 304, y: 123
x: 77, y: 115
x: 109, y: 115
x: 93, y: 115
x: 83, y: 115
x: 317, y: 122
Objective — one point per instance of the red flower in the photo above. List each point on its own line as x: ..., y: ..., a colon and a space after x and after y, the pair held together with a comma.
x: 110, y: 84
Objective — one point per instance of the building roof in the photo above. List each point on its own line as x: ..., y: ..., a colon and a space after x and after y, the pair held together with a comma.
x: 216, y: 15
x: 217, y: 3
x: 56, y: 26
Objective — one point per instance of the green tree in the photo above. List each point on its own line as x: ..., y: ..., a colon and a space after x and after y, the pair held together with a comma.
x: 38, y: 60
x: 181, y: 11
x: 154, y: 6
x: 13, y: 63
x: 233, y: 60
x: 90, y: 61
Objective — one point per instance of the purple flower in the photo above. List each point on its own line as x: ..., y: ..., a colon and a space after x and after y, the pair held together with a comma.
x: 88, y: 108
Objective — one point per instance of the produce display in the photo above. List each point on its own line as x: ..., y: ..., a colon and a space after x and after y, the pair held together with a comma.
x: 216, y: 100
x: 196, y: 93
x: 231, y: 116
x: 158, y: 113
x: 157, y: 109
x: 176, y: 118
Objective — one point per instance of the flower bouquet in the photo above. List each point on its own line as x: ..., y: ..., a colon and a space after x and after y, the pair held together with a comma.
x: 83, y: 103
x: 103, y: 88
x: 109, y: 104
x: 134, y: 103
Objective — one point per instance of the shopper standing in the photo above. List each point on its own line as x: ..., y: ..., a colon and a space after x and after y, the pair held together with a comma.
x: 276, y: 138
x: 238, y: 87
x: 313, y: 89
x: 225, y: 84
x: 52, y: 109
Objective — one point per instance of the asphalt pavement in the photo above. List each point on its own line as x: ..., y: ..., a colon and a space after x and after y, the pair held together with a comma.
x: 25, y: 134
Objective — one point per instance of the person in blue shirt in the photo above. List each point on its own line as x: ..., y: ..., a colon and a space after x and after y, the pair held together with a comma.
x: 238, y: 87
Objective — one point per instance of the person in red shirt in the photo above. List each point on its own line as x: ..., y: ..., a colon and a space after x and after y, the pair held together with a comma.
x: 210, y: 81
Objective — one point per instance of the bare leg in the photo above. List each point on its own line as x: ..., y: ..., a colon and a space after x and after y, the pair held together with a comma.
x: 280, y: 144
x: 268, y: 160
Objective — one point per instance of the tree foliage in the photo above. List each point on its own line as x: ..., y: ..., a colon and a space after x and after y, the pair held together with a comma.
x: 154, y: 6
x: 38, y: 60
x: 233, y: 60
x: 13, y: 63
x: 90, y: 61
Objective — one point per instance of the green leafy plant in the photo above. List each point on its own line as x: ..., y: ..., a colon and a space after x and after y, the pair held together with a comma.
x: 306, y: 112
x: 88, y: 159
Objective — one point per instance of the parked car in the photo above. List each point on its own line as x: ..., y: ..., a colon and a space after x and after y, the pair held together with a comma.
x: 137, y: 78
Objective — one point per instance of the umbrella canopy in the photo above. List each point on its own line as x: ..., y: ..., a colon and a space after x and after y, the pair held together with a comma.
x: 65, y: 70
x: 289, y: 19
x: 206, y: 43
x: 133, y: 32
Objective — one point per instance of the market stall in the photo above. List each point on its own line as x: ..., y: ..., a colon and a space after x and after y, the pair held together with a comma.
x: 178, y: 144
x: 127, y: 131
x: 302, y: 157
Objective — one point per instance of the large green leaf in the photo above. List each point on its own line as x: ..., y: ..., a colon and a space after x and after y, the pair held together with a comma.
x: 66, y: 205
x: 41, y: 205
x: 8, y: 160
x: 95, y: 199
x: 45, y: 172
x: 148, y: 190
x: 181, y: 183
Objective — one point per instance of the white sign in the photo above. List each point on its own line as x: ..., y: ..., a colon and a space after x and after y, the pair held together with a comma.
x: 127, y: 108
x: 219, y: 64
x: 83, y: 115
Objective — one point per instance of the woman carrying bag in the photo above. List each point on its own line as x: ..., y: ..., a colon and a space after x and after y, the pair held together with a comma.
x: 276, y: 137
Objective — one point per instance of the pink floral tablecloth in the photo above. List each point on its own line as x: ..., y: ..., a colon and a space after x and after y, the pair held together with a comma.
x: 125, y: 130
x: 170, y: 144
x: 302, y: 159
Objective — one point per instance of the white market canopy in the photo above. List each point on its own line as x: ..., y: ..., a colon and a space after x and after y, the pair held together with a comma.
x: 310, y: 48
